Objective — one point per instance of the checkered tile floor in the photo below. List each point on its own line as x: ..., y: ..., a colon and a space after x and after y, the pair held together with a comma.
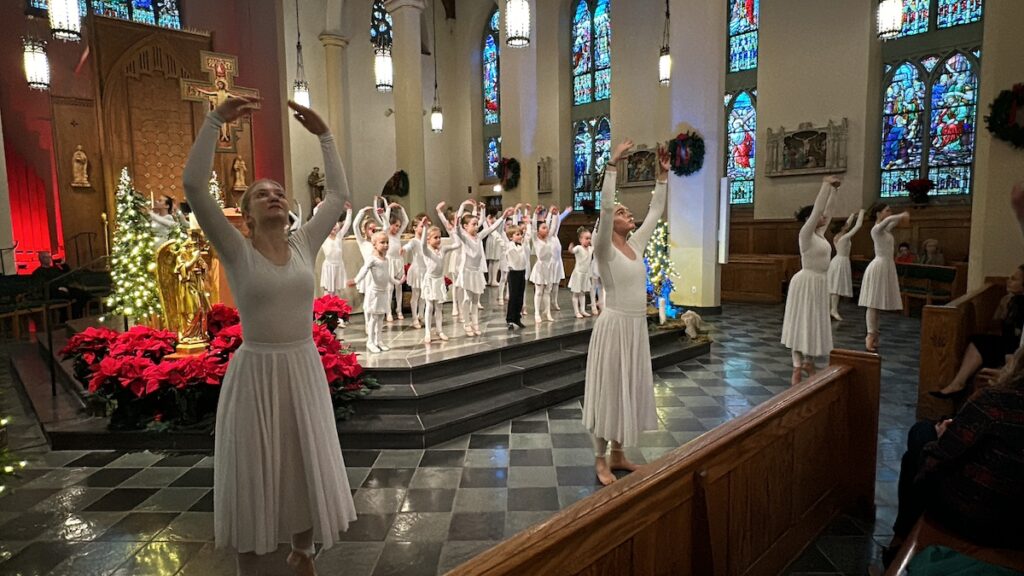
x: 424, y: 512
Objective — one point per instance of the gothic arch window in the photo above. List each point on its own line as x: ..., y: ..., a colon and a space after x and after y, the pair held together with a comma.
x: 165, y: 13
x: 491, y: 90
x: 741, y: 100
x: 929, y: 117
x: 591, y: 74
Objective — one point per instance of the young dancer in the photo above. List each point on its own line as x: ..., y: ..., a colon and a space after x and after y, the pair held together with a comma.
x: 415, y: 275
x: 454, y: 262
x: 332, y: 275
x: 542, y: 272
x: 376, y: 276
x: 492, y: 252
x: 581, y: 280
x: 364, y: 230
x: 557, y: 265
x: 397, y: 224
x: 434, y: 290
x: 806, y: 330
x: 279, y: 477
x: 471, y: 276
x: 503, y: 238
x: 516, y: 257
x: 618, y: 397
x: 840, y: 279
x: 880, y: 287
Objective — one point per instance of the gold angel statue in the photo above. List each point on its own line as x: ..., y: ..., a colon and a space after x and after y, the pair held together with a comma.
x: 185, y: 274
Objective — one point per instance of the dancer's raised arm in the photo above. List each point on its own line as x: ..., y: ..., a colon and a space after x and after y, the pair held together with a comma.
x: 857, y: 224
x: 657, y: 208
x: 498, y: 223
x: 357, y: 224
x: 603, y: 235
x: 348, y: 220
x: 443, y: 218
x: 336, y: 193
x: 821, y: 204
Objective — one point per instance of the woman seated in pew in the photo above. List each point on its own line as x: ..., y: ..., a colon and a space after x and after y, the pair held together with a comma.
x: 931, y: 254
x: 967, y: 473
x: 990, y: 350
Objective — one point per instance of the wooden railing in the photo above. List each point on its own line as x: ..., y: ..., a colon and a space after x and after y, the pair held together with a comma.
x: 745, y: 498
x: 757, y: 277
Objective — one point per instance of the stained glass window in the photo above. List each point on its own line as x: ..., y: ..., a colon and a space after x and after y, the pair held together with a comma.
x: 37, y: 4
x: 492, y: 156
x: 380, y: 25
x: 741, y: 129
x: 142, y: 11
x: 170, y: 16
x: 591, y: 51
x: 111, y: 8
x: 591, y: 147
x: 489, y: 57
x: 901, y: 129
x: 744, y: 16
x: 158, y: 12
x: 953, y: 108
x: 957, y: 12
x: 581, y: 59
x: 915, y: 17
x: 602, y: 51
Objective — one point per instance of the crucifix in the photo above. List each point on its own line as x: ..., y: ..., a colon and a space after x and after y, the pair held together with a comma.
x: 221, y: 69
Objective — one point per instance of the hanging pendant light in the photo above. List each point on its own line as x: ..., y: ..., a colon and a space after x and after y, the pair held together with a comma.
x: 383, y: 70
x: 65, y: 20
x: 436, y: 116
x: 37, y: 64
x: 890, y: 19
x: 664, y: 58
x: 300, y: 88
x: 517, y: 23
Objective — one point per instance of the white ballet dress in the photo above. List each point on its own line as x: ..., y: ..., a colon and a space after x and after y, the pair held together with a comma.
x: 840, y: 278
x: 543, y: 269
x: 433, y: 287
x: 806, y: 326
x: 880, y: 287
x: 333, y: 277
x: 278, y: 468
x: 618, y: 397
x: 414, y: 276
x: 375, y: 276
x: 471, y: 275
x: 582, y: 279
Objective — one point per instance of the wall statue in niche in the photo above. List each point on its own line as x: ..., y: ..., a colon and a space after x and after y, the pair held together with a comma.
x: 238, y: 169
x: 80, y: 169
x: 544, y: 175
x: 807, y: 150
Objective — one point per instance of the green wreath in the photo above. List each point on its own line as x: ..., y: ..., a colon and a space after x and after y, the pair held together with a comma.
x: 508, y: 173
x: 1007, y: 115
x: 687, y: 153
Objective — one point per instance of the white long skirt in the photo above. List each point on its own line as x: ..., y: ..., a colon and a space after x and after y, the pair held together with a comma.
x: 580, y: 281
x: 806, y: 327
x: 333, y: 277
x: 840, y: 279
x: 278, y: 468
x: 618, y: 397
x: 880, y: 288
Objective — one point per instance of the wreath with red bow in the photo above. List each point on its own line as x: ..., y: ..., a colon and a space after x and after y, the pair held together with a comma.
x: 687, y: 153
x: 1007, y: 115
x: 508, y: 173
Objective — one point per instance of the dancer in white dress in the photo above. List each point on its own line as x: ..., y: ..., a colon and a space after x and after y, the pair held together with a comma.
x: 453, y: 263
x: 397, y: 225
x: 840, y: 278
x: 278, y: 469
x: 414, y: 277
x: 557, y: 265
x: 542, y: 273
x: 376, y: 276
x: 333, y: 277
x: 806, y: 330
x: 363, y: 230
x: 880, y: 287
x: 434, y: 290
x: 471, y: 275
x: 580, y: 282
x: 618, y: 398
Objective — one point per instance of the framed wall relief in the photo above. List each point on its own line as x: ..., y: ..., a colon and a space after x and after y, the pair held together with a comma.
x: 807, y: 150
x: 638, y: 169
x: 544, y: 180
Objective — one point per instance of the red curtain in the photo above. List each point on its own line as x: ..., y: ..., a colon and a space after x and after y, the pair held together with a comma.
x: 29, y: 216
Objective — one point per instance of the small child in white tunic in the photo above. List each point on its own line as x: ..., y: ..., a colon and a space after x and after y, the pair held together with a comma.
x: 414, y: 277
x: 364, y: 230
x: 840, y: 277
x: 557, y: 265
x: 581, y: 279
x: 542, y: 274
x: 434, y: 290
x: 471, y: 275
x: 453, y: 262
x: 332, y: 275
x: 376, y: 274
x: 397, y: 224
x: 492, y: 253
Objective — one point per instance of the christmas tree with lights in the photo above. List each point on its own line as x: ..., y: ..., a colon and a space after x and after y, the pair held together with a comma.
x: 132, y: 262
x: 215, y: 190
x: 660, y: 270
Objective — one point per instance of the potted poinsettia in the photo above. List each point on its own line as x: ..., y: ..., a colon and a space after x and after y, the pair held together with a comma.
x: 330, y: 311
x: 918, y: 190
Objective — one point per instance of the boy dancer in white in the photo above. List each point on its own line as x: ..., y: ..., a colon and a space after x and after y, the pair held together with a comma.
x: 376, y: 273
x: 840, y: 278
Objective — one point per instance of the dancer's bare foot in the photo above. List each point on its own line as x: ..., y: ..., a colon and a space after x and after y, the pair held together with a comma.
x: 604, y: 473
x: 302, y: 564
x: 871, y: 343
x: 579, y: 315
x: 837, y: 317
x: 796, y: 377
x: 810, y: 368
x: 426, y: 340
x: 618, y: 461
x: 443, y: 337
x: 585, y: 314
x: 549, y: 317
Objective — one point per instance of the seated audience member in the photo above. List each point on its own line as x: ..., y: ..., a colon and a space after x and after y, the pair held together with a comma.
x: 990, y: 350
x: 967, y: 473
x: 931, y: 254
x: 62, y: 289
x: 904, y: 255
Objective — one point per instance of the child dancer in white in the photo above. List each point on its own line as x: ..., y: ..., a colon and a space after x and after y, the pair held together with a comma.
x: 415, y: 275
x: 453, y: 263
x: 840, y: 279
x: 492, y: 252
x: 806, y: 330
x: 581, y: 280
x: 557, y: 265
x: 332, y: 275
x: 396, y: 262
x: 471, y: 276
x: 376, y: 274
x: 880, y: 287
x: 364, y: 230
x: 434, y: 290
x: 542, y: 272
x: 502, y: 237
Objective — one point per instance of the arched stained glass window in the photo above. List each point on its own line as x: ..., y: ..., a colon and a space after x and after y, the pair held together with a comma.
x: 915, y: 17
x: 744, y: 18
x: 380, y: 25
x: 591, y: 51
x: 582, y: 153
x: 957, y: 12
x: 489, y: 58
x: 602, y: 51
x: 741, y: 129
x: 492, y: 156
x: 928, y: 125
x: 582, y: 81
x: 142, y: 11
x: 591, y: 147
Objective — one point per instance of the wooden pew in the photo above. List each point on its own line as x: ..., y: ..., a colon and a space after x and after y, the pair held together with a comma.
x: 945, y: 331
x: 758, y: 277
x: 745, y: 498
x: 930, y: 284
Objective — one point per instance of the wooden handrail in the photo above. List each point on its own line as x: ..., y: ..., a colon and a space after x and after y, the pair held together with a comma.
x: 688, y: 511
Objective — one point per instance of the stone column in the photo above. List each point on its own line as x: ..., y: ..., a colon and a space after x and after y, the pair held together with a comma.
x: 519, y: 110
x: 334, y: 58
x: 698, y: 82
x: 409, y: 106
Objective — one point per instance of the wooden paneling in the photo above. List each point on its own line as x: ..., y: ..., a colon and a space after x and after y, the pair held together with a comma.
x: 745, y: 498
x: 74, y: 124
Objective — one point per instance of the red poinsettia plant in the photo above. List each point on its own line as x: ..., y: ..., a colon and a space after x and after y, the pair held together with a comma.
x: 220, y: 317
x: 329, y: 310
x: 88, y: 348
x: 919, y: 188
